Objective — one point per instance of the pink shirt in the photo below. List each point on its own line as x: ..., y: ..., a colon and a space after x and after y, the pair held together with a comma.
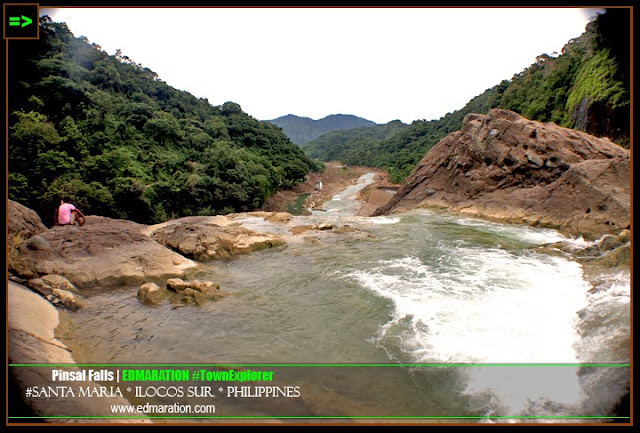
x: 64, y: 213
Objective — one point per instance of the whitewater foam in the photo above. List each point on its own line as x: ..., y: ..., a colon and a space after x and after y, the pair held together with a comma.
x: 481, y: 306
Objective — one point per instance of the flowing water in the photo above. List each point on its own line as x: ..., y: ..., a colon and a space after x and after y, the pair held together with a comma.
x: 483, y: 321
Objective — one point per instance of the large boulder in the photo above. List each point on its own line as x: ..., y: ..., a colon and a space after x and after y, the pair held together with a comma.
x: 25, y: 222
x: 103, y: 252
x: 207, y: 238
x: 504, y: 166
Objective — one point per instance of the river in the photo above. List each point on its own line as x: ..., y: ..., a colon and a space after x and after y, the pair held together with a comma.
x: 419, y: 315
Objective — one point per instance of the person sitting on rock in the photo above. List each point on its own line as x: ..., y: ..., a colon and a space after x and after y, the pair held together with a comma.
x: 68, y: 214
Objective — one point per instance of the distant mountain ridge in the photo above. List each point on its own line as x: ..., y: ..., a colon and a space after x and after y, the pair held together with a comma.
x: 303, y: 129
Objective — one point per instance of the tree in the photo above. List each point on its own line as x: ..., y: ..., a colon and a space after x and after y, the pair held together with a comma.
x: 122, y: 143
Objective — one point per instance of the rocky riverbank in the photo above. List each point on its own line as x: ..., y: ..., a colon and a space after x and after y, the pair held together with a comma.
x: 52, y: 268
x: 506, y: 167
x: 32, y: 324
x: 63, y: 261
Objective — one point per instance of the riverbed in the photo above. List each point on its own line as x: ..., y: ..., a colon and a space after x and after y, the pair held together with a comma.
x: 419, y: 315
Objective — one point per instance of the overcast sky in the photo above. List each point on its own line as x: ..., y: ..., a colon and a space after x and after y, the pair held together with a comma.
x: 378, y: 63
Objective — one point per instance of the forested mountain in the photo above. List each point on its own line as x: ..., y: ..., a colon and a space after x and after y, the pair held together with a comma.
x: 337, y: 145
x: 303, y: 129
x: 585, y: 87
x: 118, y: 141
x: 395, y: 147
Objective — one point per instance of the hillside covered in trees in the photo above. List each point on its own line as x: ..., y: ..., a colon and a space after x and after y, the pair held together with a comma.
x: 303, y: 129
x: 116, y: 140
x: 585, y: 87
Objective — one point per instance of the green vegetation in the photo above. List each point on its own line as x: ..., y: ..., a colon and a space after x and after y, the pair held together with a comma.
x: 395, y: 147
x: 353, y: 144
x: 118, y: 141
x: 303, y: 129
x: 586, y: 87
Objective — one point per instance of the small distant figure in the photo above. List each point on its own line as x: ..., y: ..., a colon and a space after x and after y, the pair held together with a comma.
x: 319, y: 185
x: 68, y: 214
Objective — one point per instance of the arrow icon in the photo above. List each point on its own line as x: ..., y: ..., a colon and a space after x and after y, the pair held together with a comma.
x: 15, y: 21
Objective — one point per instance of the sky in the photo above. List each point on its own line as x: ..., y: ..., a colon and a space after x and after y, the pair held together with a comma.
x: 381, y: 64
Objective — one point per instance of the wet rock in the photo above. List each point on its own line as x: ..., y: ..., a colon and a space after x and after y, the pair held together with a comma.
x: 58, y: 290
x: 209, y: 289
x: 151, y: 293
x: 47, y: 283
x: 194, y: 291
x: 32, y: 339
x: 307, y: 227
x: 296, y: 230
x: 611, y: 242
x: 177, y: 284
x: 610, y: 251
x: 188, y: 296
x: 70, y: 300
x: 620, y: 256
x: 273, y: 217
x: 312, y: 240
x: 614, y: 250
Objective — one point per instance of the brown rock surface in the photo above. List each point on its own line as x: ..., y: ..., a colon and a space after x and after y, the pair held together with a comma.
x: 103, y: 252
x: 108, y: 252
x: 208, y: 238
x: 504, y: 166
x: 24, y: 221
